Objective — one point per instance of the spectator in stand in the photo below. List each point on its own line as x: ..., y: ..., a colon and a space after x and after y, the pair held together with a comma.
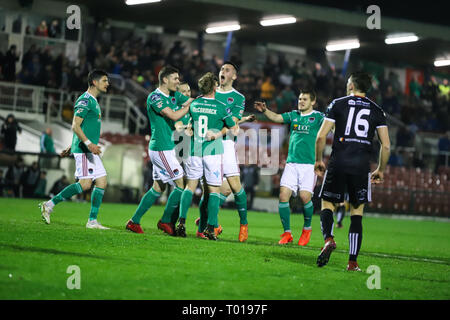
x: 9, y: 63
x: 267, y: 90
x: 30, y: 180
x: 47, y: 145
x: 13, y: 178
x: 2, y: 183
x: 250, y: 179
x: 444, y: 151
x: 42, y: 29
x: 444, y: 89
x: 54, y: 31
x: 39, y: 191
x: 58, y: 186
x: 404, y: 137
x: 9, y: 132
x: 414, y: 87
x: 395, y: 159
x: 390, y: 102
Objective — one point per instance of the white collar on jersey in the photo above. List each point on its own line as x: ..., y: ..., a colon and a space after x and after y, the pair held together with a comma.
x: 90, y: 95
x: 304, y: 115
x: 218, y: 90
x: 165, y: 95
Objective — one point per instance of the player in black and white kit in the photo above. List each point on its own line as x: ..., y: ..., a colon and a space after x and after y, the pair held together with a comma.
x: 355, y: 119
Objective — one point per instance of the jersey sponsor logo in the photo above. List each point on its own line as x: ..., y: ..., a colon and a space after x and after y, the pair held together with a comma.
x: 230, y: 100
x: 351, y: 102
x: 362, y: 194
x: 305, y: 128
x: 83, y: 103
x: 155, y: 97
x: 332, y: 195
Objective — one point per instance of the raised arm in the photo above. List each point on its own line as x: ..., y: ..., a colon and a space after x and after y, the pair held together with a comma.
x: 261, y: 107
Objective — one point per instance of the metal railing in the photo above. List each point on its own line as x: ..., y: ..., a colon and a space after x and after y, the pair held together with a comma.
x: 52, y: 103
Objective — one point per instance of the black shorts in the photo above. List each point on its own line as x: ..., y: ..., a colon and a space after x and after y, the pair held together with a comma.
x: 337, y: 183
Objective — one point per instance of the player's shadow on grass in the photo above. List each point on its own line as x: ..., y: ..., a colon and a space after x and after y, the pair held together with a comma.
x: 51, y: 251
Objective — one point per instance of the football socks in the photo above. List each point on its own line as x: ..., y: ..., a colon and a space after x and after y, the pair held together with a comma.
x: 213, y: 208
x: 185, y: 202
x: 147, y: 201
x: 241, y: 204
x: 355, y: 237
x: 340, y: 213
x: 326, y: 223
x: 96, y: 201
x: 67, y: 193
x: 308, y: 213
x: 285, y: 215
x: 203, y: 208
x: 172, y: 203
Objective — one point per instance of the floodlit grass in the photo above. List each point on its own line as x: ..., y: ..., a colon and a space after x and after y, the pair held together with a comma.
x: 413, y: 257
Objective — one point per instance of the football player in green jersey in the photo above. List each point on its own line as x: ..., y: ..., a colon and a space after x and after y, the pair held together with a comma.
x: 235, y: 102
x: 89, y: 168
x: 299, y: 173
x: 163, y: 111
x: 209, y: 116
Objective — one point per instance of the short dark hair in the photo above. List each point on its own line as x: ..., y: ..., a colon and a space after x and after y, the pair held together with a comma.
x: 96, y: 75
x: 231, y: 63
x: 207, y: 83
x: 362, y: 80
x: 312, y: 93
x: 165, y: 72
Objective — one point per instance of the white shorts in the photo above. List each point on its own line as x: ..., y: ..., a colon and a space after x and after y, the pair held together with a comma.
x: 88, y: 166
x: 230, y: 159
x: 208, y: 166
x: 299, y: 177
x: 165, y: 166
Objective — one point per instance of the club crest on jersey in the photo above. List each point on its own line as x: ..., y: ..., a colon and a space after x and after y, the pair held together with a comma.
x: 230, y: 100
x: 173, y: 100
x: 176, y: 172
x: 351, y: 102
x: 311, y: 119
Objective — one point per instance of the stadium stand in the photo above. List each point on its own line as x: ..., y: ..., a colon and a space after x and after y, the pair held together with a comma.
x: 416, y: 182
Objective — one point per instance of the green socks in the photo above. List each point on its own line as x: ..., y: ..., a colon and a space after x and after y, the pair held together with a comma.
x: 185, y: 202
x: 308, y: 213
x: 213, y: 208
x: 146, y: 202
x: 172, y: 204
x: 285, y: 215
x: 67, y: 193
x: 241, y: 204
x: 203, y: 207
x: 96, y: 201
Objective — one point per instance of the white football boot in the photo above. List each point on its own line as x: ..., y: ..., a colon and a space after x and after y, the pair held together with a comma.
x: 94, y: 224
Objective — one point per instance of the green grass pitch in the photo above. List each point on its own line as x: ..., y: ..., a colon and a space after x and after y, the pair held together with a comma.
x: 413, y: 258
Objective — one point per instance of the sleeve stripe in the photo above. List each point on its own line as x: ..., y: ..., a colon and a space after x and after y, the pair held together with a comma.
x: 382, y: 126
x: 329, y: 119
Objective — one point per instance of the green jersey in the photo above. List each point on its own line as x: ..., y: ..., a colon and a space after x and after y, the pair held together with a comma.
x: 87, y: 107
x: 208, y: 114
x: 304, y: 129
x: 162, y: 127
x: 234, y: 101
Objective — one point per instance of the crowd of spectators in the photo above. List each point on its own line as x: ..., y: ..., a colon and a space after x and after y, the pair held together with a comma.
x: 22, y: 181
x: 277, y: 81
